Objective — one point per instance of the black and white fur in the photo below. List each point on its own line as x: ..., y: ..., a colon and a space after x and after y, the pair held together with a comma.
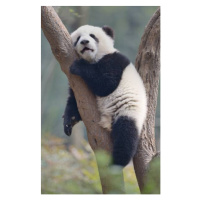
x: 119, y: 90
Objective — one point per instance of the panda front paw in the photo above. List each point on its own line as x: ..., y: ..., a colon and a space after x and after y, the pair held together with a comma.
x: 68, y: 124
x: 68, y: 129
x: 75, y: 69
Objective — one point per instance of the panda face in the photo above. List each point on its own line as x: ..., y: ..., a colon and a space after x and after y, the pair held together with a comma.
x: 86, y: 45
x: 92, y: 43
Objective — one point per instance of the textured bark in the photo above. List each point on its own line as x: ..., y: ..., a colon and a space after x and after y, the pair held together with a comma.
x: 63, y: 50
x: 148, y: 65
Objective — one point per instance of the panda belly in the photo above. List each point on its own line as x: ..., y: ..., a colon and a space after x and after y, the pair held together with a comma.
x: 128, y: 100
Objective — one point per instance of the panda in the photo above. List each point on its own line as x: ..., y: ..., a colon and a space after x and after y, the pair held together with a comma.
x: 119, y: 90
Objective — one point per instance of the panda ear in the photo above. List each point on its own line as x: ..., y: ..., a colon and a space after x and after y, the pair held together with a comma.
x: 109, y: 31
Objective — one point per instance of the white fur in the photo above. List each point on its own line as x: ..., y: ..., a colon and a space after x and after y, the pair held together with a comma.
x: 129, y: 99
x: 103, y: 47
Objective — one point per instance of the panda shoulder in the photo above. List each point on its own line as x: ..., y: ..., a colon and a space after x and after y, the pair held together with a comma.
x: 116, y: 59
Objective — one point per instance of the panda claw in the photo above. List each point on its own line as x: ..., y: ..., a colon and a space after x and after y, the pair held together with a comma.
x: 68, y: 129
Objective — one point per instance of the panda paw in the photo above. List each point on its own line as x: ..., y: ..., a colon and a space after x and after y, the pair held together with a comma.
x: 75, y: 69
x: 68, y: 124
x: 68, y: 129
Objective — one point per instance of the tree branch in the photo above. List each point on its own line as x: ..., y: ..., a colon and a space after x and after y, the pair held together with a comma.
x: 63, y: 50
x: 148, y: 64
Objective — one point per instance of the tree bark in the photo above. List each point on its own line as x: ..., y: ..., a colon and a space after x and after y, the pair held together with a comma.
x: 62, y: 48
x: 148, y: 65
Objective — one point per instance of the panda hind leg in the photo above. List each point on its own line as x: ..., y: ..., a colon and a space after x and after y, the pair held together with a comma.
x: 71, y: 115
x: 106, y: 122
x: 125, y: 140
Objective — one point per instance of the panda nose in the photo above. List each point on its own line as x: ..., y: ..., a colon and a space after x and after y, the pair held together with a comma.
x: 84, y: 42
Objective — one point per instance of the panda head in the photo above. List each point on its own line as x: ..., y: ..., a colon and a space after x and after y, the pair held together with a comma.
x: 92, y: 43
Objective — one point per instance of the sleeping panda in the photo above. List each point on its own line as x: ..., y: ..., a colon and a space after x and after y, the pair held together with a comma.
x: 119, y: 90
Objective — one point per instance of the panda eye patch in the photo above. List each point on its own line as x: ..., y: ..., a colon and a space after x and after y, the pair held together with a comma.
x: 77, y: 41
x: 94, y: 37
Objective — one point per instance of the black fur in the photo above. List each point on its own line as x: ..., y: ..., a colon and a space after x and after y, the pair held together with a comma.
x: 71, y: 115
x: 104, y: 76
x: 77, y: 41
x: 94, y: 37
x: 125, y: 140
x: 109, y: 31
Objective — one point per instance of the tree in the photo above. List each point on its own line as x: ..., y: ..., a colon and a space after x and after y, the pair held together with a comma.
x: 98, y: 138
x: 148, y: 65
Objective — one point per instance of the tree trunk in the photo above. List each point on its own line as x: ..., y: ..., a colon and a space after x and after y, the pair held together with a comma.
x: 62, y: 48
x: 148, y: 65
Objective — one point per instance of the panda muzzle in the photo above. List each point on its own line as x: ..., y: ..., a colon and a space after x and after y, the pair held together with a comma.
x: 86, y: 49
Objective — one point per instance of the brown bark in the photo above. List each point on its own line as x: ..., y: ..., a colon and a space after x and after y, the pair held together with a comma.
x: 63, y: 50
x: 148, y: 65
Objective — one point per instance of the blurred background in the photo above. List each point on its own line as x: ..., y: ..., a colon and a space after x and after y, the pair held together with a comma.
x: 68, y: 163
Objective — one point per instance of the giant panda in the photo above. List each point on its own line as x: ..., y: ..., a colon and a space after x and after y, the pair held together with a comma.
x: 119, y: 90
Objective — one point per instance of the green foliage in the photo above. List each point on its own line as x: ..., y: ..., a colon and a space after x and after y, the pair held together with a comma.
x: 112, y: 175
x: 103, y: 158
x: 71, y: 171
x: 68, y: 170
x: 74, y: 13
x: 152, y: 185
